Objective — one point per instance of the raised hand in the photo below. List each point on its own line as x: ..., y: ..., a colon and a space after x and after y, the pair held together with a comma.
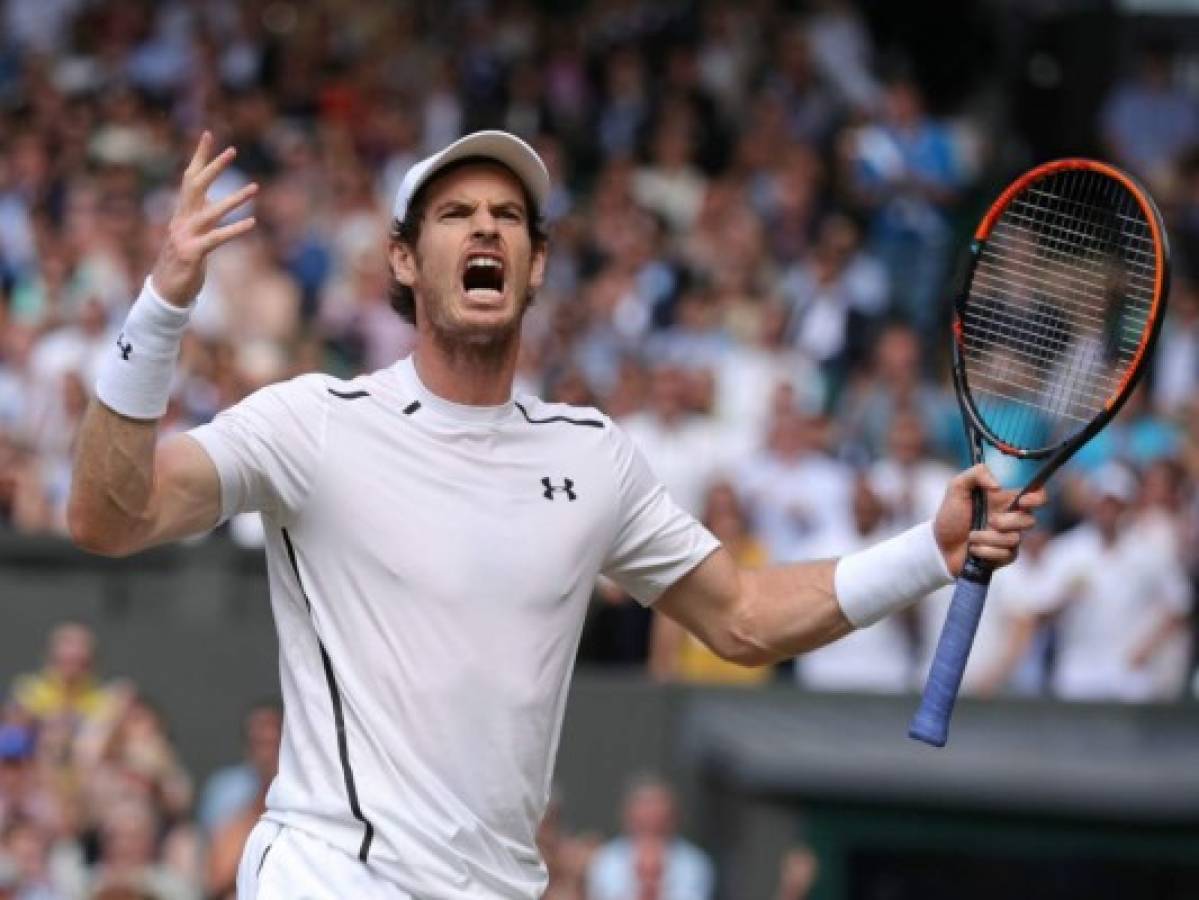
x: 193, y: 232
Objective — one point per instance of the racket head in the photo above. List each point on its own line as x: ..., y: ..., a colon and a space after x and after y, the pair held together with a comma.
x: 1059, y: 306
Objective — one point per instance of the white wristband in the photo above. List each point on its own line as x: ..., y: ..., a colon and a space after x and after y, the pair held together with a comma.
x: 879, y: 580
x: 135, y: 374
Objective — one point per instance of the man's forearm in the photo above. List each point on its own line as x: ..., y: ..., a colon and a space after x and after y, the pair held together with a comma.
x: 113, y: 483
x: 787, y: 610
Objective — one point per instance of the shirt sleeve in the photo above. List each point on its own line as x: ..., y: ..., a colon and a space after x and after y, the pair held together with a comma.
x: 267, y: 448
x: 656, y: 542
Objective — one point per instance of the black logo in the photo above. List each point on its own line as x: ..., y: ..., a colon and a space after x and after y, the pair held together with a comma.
x: 125, y: 348
x: 568, y: 488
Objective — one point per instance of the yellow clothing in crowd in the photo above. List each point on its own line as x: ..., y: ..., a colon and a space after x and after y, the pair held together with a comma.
x: 696, y: 663
x: 45, y: 696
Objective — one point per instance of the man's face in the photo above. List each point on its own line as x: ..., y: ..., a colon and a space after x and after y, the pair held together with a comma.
x: 474, y: 268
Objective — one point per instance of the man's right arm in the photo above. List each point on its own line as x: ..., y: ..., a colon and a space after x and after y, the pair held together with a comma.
x: 128, y: 491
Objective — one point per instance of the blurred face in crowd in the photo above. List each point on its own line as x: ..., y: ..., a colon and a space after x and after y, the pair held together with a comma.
x: 836, y: 246
x: 27, y: 846
x: 897, y: 358
x: 649, y: 812
x: 475, y: 268
x: 1162, y: 484
x: 128, y: 834
x: 1107, y: 513
x: 72, y: 652
x: 903, y: 104
x: 668, y: 393
x: 723, y: 514
x: 906, y: 438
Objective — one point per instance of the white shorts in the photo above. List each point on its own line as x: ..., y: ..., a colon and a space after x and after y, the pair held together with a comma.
x: 280, y: 863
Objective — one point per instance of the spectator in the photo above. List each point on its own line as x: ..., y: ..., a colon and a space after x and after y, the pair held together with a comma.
x: 684, y: 449
x: 835, y: 295
x: 1147, y: 119
x: 233, y: 789
x: 1176, y: 373
x: 1011, y: 647
x: 67, y: 687
x: 131, y: 752
x: 799, y: 494
x: 905, y: 172
x: 23, y: 794
x: 1122, y: 603
x: 129, y: 855
x: 676, y: 654
x: 878, y: 658
x: 896, y: 383
x: 567, y: 856
x: 910, y: 482
x: 649, y: 859
x: 671, y: 186
x: 228, y: 836
x: 28, y: 847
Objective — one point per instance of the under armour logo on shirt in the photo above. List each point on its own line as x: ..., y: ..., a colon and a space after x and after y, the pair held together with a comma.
x: 567, y: 487
x: 126, y: 348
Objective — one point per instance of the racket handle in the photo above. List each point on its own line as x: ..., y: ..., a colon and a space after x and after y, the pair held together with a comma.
x: 931, y: 722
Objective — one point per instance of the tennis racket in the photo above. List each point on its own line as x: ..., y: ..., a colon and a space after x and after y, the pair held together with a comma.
x: 1054, y: 319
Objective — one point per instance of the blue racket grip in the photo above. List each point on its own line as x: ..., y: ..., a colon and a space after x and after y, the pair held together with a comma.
x: 931, y: 722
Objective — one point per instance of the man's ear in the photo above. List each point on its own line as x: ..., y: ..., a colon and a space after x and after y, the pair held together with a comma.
x: 537, y: 264
x: 403, y: 263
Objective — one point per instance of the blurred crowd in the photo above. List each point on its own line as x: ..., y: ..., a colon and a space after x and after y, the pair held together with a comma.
x: 95, y: 801
x: 752, y: 224
x: 97, y: 804
x: 755, y: 212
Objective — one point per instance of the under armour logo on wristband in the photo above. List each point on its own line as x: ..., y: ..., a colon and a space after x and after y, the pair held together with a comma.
x: 568, y: 488
x: 125, y: 348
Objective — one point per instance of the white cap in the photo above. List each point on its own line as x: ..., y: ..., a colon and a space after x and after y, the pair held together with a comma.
x: 501, y: 146
x: 1116, y: 481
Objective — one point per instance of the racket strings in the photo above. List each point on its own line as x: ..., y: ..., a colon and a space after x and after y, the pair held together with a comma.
x: 1059, y: 302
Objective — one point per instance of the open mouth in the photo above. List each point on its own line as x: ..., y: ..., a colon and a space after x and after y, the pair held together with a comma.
x: 483, y: 276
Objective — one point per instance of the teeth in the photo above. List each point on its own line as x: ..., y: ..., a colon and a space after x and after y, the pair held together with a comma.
x: 485, y: 261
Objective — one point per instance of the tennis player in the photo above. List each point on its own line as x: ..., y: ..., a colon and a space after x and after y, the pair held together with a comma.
x: 432, y: 543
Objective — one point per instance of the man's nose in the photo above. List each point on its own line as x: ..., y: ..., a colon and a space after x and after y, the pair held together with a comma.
x: 483, y: 224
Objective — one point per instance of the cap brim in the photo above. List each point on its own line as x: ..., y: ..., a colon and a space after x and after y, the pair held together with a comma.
x: 500, y: 146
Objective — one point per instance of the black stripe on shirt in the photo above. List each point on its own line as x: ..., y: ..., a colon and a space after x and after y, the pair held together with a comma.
x: 343, y: 750
x: 589, y: 423
x: 348, y: 395
x: 411, y: 407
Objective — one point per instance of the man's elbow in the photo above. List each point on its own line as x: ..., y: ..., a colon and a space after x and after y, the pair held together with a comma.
x: 737, y: 642
x: 89, y: 534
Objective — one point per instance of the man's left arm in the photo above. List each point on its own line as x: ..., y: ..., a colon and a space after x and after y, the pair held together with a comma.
x: 758, y: 617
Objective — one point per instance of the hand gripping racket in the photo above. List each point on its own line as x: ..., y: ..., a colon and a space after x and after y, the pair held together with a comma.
x: 1053, y: 322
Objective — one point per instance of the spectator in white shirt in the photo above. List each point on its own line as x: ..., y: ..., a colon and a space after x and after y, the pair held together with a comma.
x: 1123, y: 603
x: 650, y: 859
x: 1009, y: 650
x: 686, y: 451
x: 797, y: 492
x: 910, y: 481
x: 878, y: 658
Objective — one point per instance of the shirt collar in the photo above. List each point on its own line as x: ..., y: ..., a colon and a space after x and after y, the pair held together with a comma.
x: 406, y: 372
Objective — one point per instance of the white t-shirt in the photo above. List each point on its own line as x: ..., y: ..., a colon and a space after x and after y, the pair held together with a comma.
x: 687, y: 458
x: 1115, y: 595
x: 797, y: 503
x: 430, y: 567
